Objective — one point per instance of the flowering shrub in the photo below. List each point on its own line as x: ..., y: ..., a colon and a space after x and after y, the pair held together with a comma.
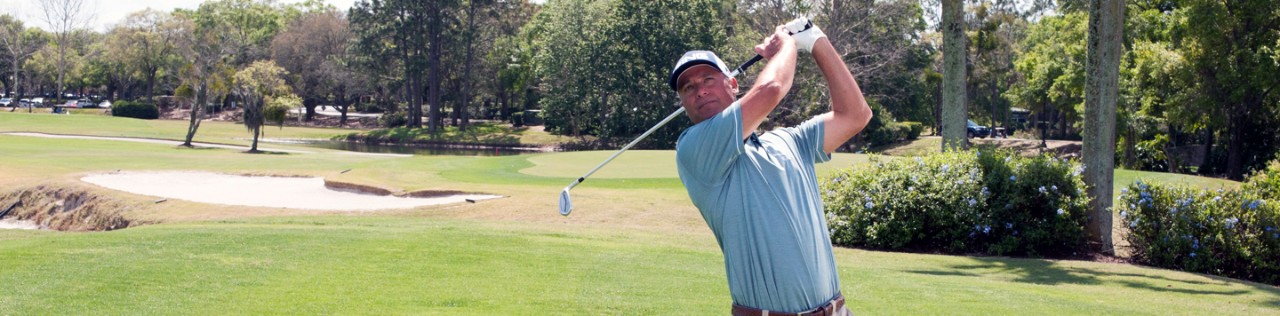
x: 1230, y: 233
x: 1266, y: 182
x: 959, y: 202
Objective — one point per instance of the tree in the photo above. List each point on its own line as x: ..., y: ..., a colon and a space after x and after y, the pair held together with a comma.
x: 314, y: 50
x: 256, y: 86
x: 249, y: 26
x: 567, y: 37
x: 394, y: 31
x: 19, y: 44
x: 511, y: 59
x: 1051, y: 63
x: 996, y: 28
x: 470, y: 31
x: 1102, y: 85
x: 146, y: 41
x: 624, y: 50
x: 64, y: 17
x: 883, y: 46
x: 954, y: 106
x: 207, y: 53
x: 1231, y: 46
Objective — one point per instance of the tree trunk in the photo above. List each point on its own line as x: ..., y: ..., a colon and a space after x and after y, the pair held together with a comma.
x: 1102, y: 85
x: 197, y: 110
x: 466, y: 73
x: 1235, y: 146
x: 310, y: 105
x: 340, y: 103
x: 257, y: 131
x: 954, y: 108
x: 62, y: 67
x: 1208, y: 150
x: 433, y: 83
x: 504, y: 99
x: 151, y: 85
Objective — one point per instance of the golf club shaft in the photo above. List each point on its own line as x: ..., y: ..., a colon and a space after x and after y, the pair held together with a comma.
x: 664, y: 122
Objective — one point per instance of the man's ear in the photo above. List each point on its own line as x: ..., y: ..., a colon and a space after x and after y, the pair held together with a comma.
x: 733, y: 83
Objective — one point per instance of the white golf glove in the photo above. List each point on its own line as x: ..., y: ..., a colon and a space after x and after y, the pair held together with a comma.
x: 805, y: 34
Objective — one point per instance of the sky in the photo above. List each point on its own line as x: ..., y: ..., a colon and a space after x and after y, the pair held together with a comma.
x: 109, y: 12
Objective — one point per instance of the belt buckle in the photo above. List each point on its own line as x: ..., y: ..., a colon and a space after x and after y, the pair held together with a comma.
x: 827, y: 309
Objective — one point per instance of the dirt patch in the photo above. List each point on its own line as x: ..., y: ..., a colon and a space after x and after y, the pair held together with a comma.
x: 355, y: 188
x: 435, y: 193
x: 1032, y: 147
x: 373, y: 190
x: 64, y: 208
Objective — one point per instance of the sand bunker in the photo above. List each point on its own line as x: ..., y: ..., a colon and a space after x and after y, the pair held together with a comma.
x: 18, y: 224
x: 293, y: 193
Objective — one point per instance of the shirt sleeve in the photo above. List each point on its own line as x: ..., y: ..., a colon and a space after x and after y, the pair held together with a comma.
x: 707, y: 150
x: 809, y: 138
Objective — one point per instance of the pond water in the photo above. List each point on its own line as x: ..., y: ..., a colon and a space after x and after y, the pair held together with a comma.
x: 408, y: 149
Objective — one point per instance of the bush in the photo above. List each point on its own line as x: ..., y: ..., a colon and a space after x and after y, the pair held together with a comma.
x: 1229, y: 233
x: 396, y: 119
x: 885, y: 134
x: 914, y: 129
x: 960, y: 202
x: 138, y: 110
x: 1266, y: 182
x: 1150, y: 154
x: 517, y: 119
x: 277, y: 109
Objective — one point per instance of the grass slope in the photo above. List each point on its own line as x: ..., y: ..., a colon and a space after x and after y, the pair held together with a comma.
x: 403, y: 265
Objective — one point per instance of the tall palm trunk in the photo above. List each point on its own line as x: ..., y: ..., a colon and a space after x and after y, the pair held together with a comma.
x: 954, y: 107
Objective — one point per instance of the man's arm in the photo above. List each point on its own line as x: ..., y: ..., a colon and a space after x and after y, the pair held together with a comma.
x: 774, y: 80
x: 849, y: 111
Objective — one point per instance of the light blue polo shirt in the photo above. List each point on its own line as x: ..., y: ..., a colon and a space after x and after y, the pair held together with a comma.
x: 760, y: 198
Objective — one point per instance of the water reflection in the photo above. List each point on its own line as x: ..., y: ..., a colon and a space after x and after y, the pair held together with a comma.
x: 416, y: 150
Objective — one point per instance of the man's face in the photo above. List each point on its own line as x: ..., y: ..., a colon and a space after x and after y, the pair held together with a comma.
x: 705, y: 91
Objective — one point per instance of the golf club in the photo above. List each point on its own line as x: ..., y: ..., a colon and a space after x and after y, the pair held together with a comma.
x: 566, y: 205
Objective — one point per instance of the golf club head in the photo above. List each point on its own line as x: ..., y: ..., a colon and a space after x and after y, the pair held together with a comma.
x: 566, y: 205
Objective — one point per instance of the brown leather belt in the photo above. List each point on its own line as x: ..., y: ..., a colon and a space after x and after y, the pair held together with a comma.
x: 828, y: 309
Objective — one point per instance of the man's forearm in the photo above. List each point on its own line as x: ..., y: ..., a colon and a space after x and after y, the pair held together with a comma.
x: 849, y: 110
x: 845, y: 94
x: 772, y: 84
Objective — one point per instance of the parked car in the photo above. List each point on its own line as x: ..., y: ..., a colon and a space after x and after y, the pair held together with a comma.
x: 71, y: 104
x: 37, y: 102
x: 975, y: 130
x: 6, y: 102
x: 86, y: 103
x: 24, y: 103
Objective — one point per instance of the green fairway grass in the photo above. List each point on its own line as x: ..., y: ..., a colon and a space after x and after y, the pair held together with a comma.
x: 98, y: 125
x: 634, y: 244
x: 382, y: 264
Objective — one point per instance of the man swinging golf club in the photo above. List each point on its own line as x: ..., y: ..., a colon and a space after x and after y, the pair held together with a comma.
x: 759, y: 192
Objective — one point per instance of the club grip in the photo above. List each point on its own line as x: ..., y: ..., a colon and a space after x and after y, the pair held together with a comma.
x: 746, y: 65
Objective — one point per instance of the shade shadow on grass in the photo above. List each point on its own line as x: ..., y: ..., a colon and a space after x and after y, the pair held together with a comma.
x: 1046, y: 272
x: 1032, y: 271
x: 942, y: 273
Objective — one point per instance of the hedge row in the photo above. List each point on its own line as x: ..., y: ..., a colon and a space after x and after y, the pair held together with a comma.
x: 1233, y: 233
x: 891, y: 132
x: 961, y: 202
x: 138, y: 110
